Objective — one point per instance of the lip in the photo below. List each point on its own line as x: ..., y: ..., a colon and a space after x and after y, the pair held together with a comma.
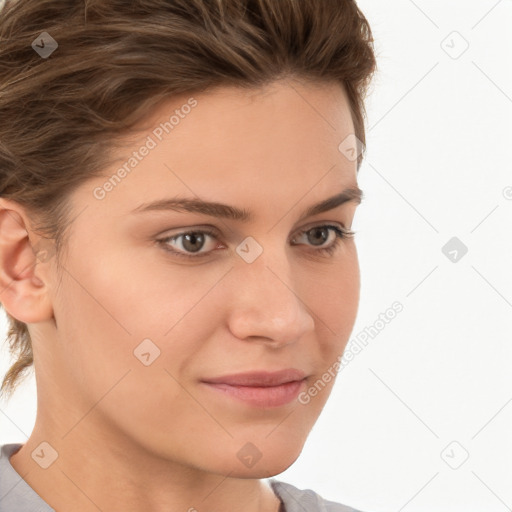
x: 260, y: 389
x: 259, y: 378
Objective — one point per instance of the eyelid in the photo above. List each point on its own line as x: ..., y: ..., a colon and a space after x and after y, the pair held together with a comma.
x: 217, y: 233
x: 321, y: 223
x: 211, y: 227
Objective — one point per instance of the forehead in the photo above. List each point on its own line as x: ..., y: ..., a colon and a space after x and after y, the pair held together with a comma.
x: 285, y: 111
x: 280, y: 141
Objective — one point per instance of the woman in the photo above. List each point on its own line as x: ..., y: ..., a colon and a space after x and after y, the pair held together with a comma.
x: 174, y: 377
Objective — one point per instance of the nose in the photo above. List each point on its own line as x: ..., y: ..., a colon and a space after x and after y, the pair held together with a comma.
x: 264, y: 305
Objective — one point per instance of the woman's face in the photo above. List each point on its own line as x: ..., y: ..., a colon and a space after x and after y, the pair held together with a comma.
x: 139, y: 327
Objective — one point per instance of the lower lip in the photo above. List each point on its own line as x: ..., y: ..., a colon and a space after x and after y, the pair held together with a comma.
x: 273, y: 396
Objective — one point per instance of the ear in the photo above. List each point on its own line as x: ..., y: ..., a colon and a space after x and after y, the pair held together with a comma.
x: 24, y: 262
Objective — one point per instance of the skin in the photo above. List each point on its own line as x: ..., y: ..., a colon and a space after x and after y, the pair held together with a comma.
x: 134, y: 437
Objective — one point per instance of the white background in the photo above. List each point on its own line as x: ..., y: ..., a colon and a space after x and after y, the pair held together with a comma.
x: 437, y: 166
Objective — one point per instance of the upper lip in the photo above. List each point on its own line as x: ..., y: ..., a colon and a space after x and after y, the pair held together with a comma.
x: 259, y: 378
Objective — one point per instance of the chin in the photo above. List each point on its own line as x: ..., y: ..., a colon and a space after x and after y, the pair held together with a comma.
x: 258, y: 460
x: 262, y: 469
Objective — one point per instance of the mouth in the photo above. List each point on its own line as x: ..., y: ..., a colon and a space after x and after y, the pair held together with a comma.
x: 260, y: 389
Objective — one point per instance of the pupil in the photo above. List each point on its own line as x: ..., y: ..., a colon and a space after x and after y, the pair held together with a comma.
x: 192, y: 237
x: 322, y: 238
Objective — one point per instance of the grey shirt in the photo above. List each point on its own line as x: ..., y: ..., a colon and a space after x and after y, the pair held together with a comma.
x: 17, y: 496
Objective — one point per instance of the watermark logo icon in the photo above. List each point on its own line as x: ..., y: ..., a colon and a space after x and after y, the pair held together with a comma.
x: 249, y: 249
x: 249, y: 454
x: 454, y: 45
x: 44, y: 45
x: 44, y: 250
x: 507, y: 193
x: 351, y: 147
x: 45, y: 455
x: 146, y: 352
x: 455, y: 455
x: 454, y: 249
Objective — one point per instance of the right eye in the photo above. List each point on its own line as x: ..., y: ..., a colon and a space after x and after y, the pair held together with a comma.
x: 192, y: 241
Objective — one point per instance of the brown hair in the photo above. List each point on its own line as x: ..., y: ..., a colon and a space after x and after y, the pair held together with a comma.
x: 116, y: 60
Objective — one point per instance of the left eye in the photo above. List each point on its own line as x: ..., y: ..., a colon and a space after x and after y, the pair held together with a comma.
x: 193, y: 241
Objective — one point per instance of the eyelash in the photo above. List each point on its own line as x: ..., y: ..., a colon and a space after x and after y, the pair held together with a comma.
x: 341, y: 234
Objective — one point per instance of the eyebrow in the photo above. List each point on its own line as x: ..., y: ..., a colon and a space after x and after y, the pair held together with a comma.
x: 213, y: 209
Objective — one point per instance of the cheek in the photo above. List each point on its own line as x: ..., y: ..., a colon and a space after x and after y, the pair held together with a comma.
x: 106, y: 310
x: 128, y: 310
x: 126, y: 339
x: 333, y: 297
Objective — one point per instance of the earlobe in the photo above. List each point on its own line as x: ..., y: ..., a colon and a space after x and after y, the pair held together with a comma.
x: 23, y: 292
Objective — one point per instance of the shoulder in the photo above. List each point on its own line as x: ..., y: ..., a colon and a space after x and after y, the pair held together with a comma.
x: 299, y: 500
x: 15, y: 494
